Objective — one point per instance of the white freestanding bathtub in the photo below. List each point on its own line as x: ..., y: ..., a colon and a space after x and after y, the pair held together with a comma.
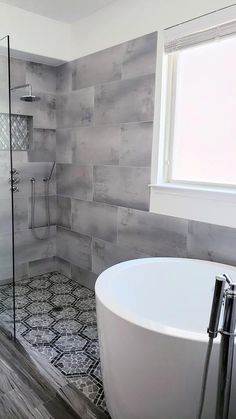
x: 152, y: 320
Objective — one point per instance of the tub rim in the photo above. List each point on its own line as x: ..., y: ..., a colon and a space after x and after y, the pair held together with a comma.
x: 141, y: 321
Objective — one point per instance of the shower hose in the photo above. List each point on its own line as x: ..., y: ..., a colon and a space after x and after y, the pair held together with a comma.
x: 204, y: 378
x: 47, y: 206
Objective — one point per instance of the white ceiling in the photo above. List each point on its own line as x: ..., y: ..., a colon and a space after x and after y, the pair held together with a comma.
x: 63, y: 10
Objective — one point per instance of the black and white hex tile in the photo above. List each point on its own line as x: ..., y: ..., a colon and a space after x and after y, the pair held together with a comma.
x: 57, y: 317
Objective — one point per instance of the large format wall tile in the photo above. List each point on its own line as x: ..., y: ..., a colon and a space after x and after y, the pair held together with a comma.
x: 84, y: 277
x: 140, y: 56
x: 75, y: 181
x: 36, y: 162
x: 124, y: 186
x: 41, y: 266
x: 64, y: 78
x: 212, y: 242
x: 5, y: 250
x: 28, y: 248
x: 18, y: 72
x: 63, y: 266
x: 94, y: 219
x: 20, y: 214
x: 6, y: 272
x: 96, y: 145
x: 75, y: 108
x: 43, y: 147
x: 42, y: 77
x: 156, y: 235
x: 40, y: 211
x: 106, y: 254
x: 74, y: 247
x: 136, y: 144
x: 43, y: 111
x: 125, y: 101
x: 38, y: 171
x: 64, y: 145
x: 63, y: 211
x: 97, y: 68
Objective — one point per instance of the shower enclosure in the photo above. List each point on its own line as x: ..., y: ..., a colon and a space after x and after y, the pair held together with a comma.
x: 28, y: 185
x: 8, y: 184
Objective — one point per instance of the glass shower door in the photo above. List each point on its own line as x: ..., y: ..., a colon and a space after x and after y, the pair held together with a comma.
x: 7, y: 271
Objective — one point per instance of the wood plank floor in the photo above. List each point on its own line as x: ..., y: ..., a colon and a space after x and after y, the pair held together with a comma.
x: 32, y: 388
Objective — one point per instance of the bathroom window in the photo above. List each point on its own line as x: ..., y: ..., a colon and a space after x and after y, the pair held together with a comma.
x: 194, y: 152
x: 202, y: 143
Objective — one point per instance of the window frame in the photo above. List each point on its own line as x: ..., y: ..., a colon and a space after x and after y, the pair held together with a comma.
x: 206, y: 202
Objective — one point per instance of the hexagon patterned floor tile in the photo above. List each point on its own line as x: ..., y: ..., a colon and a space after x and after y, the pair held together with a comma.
x: 20, y: 302
x: 74, y: 363
x: 38, y: 308
x: 57, y: 316
x: 39, y: 296
x: 47, y: 352
x: 65, y: 313
x: 86, y: 304
x: 93, y: 349
x: 70, y: 343
x: 88, y: 386
x: 88, y: 317
x: 67, y: 326
x: 97, y: 373
x: 40, y: 283
x: 90, y: 332
x: 82, y: 292
x: 63, y: 300
x: 38, y: 336
x: 39, y: 320
x: 19, y: 290
x: 61, y: 288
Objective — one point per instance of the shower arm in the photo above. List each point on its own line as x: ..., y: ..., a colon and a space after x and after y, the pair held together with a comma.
x: 22, y: 86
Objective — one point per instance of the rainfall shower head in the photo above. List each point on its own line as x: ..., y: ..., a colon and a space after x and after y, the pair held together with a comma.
x: 29, y: 97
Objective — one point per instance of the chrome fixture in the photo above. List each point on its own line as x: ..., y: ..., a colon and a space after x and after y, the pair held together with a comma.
x: 29, y: 97
x: 228, y: 297
x: 226, y: 351
x: 46, y: 181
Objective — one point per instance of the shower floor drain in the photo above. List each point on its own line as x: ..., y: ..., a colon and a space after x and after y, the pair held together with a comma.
x: 59, y: 308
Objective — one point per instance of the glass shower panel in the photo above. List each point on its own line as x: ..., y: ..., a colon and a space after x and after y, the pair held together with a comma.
x: 7, y: 287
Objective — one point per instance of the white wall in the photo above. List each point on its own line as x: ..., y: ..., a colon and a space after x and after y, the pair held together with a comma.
x: 39, y: 38
x: 128, y: 19
x: 34, y: 34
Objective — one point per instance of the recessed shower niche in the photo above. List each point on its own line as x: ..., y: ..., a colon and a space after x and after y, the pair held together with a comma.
x: 21, y: 131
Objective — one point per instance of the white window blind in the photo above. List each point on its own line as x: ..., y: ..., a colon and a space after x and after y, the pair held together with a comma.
x: 214, y: 33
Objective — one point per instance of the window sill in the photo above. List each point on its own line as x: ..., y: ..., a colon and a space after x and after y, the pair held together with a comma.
x: 209, y: 205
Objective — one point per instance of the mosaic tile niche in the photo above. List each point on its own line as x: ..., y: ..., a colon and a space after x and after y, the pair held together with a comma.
x: 21, y: 129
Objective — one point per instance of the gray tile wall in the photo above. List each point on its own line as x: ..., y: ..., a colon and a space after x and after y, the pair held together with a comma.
x: 32, y: 256
x: 104, y: 139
